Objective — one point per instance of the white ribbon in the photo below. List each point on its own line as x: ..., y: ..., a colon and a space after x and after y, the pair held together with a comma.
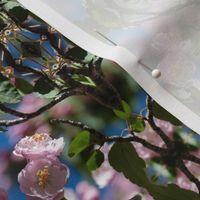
x: 160, y: 34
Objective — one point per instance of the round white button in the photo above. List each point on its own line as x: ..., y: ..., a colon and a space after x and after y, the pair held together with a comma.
x: 156, y: 73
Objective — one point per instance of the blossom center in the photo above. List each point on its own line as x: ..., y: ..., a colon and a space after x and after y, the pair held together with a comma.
x: 38, y: 137
x: 43, y: 176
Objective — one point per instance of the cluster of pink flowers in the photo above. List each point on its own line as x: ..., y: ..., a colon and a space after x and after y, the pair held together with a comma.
x: 44, y: 176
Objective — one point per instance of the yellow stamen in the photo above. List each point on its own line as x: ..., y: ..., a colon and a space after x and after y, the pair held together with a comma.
x: 43, y: 176
x: 38, y: 137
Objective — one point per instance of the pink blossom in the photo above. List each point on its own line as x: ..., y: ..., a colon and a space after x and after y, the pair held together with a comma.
x: 87, y: 192
x: 38, y: 145
x: 3, y: 194
x: 43, y: 178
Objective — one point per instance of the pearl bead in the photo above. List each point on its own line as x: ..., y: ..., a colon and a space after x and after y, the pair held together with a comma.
x: 156, y: 73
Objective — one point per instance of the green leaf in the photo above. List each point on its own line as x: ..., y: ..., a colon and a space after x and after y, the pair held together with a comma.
x: 77, y: 53
x: 137, y: 197
x: 95, y: 160
x: 31, y: 49
x: 17, y: 40
x: 85, y: 80
x: 83, y: 140
x: 8, y: 93
x: 171, y: 192
x: 19, y: 13
x: 161, y: 113
x: 2, y: 130
x: 54, y: 93
x: 123, y: 158
x: 8, y: 5
x: 126, y: 113
x: 42, y: 87
x: 16, y: 11
x: 23, y: 86
x: 137, y: 124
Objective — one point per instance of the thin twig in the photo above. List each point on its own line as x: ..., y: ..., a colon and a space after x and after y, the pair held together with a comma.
x: 191, y: 157
x: 29, y: 116
x: 104, y: 88
x: 113, y: 138
x: 72, y: 123
x: 146, y: 144
x: 189, y: 175
x: 163, y: 136
x: 11, y: 111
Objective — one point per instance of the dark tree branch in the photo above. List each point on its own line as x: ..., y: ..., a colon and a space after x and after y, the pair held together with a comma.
x: 136, y: 139
x: 162, y: 151
x: 73, y: 123
x: 11, y: 111
x: 163, y: 136
x: 190, y: 176
x: 171, y: 147
x: 81, y: 126
x: 28, y: 116
x: 191, y: 157
x: 104, y: 93
x: 72, y: 70
x: 113, y: 138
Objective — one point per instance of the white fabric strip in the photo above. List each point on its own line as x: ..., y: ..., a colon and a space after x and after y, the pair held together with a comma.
x: 126, y: 57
